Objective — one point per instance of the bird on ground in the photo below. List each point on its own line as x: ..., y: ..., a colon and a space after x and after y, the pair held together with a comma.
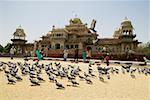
x: 108, y: 76
x: 91, y: 74
x: 70, y: 78
x: 81, y: 77
x: 86, y: 75
x: 127, y: 68
x: 88, y: 81
x: 59, y: 86
x: 39, y: 77
x: 78, y: 68
x: 1, y: 66
x: 32, y: 76
x: 61, y: 74
x: 51, y: 78
x: 57, y: 64
x: 6, y: 71
x: 74, y: 83
x: 18, y: 77
x: 101, y: 78
x: 133, y: 76
x: 123, y: 70
x: 34, y: 82
x: 10, y: 80
x: 70, y: 66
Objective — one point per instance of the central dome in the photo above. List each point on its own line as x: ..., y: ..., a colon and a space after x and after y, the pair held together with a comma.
x: 75, y: 21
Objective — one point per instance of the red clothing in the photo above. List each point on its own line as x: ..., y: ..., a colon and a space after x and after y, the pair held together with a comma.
x: 88, y: 54
x: 107, y: 58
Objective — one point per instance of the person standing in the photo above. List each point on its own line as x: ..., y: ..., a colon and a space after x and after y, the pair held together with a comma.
x: 39, y: 55
x: 107, y: 58
x: 12, y: 52
x: 76, y: 55
x: 65, y: 54
x: 89, y: 54
x: 84, y: 55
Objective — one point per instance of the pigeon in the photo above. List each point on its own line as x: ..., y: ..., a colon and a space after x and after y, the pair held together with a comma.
x: 74, y: 83
x: 34, y: 82
x: 10, y: 80
x: 88, y: 81
x: 59, y: 86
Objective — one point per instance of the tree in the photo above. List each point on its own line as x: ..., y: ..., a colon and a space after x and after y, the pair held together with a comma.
x: 144, y: 49
x: 7, y: 47
x: 1, y: 48
x: 147, y: 49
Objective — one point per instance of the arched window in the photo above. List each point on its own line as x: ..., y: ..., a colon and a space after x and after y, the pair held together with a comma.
x: 126, y: 31
x: 130, y: 32
x: 57, y: 46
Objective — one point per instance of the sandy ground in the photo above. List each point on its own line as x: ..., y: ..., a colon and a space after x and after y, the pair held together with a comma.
x: 119, y: 87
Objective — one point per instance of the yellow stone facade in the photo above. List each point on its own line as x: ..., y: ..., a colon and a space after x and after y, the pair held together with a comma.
x: 77, y: 35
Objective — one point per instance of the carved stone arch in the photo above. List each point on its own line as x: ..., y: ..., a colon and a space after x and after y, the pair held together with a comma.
x: 127, y: 48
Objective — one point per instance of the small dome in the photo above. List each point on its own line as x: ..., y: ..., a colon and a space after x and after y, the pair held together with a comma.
x: 126, y: 22
x: 75, y: 21
x: 19, y: 32
x: 116, y: 33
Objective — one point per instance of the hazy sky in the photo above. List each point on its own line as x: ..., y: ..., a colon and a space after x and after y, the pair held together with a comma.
x: 38, y: 17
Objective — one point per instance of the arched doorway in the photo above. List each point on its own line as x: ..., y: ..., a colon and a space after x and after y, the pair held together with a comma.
x: 57, y: 46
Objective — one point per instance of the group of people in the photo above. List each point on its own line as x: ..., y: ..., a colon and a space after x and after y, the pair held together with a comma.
x: 76, y: 53
x: 86, y: 55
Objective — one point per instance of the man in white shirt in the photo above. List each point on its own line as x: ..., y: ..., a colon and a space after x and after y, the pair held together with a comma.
x: 12, y: 52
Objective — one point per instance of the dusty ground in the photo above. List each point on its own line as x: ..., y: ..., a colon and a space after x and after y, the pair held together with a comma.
x: 119, y: 87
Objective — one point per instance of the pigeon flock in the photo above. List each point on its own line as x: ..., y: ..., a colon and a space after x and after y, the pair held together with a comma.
x: 55, y: 72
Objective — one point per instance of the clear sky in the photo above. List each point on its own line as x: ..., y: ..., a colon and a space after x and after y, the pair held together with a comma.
x: 38, y: 17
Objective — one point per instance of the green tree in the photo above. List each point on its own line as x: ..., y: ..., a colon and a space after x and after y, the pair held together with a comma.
x: 1, y: 48
x: 144, y: 49
x: 147, y: 49
x: 7, y: 47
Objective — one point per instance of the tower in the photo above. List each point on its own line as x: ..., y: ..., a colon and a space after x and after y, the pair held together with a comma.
x: 126, y: 27
x: 19, y: 40
x: 127, y: 37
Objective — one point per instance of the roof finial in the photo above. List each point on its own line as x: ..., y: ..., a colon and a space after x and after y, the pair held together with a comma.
x: 20, y: 26
x: 126, y: 18
x: 53, y: 27
x: 76, y: 15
